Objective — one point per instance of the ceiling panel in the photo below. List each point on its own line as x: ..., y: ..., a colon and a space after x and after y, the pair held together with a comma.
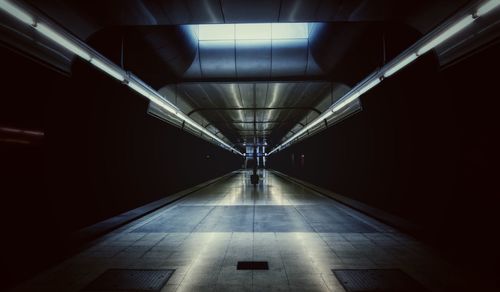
x: 261, y: 91
x: 247, y: 93
x: 189, y: 11
x: 289, y: 57
x: 230, y: 107
x: 299, y: 10
x: 253, y: 59
x: 217, y: 59
x: 83, y: 19
x: 244, y: 11
x: 141, y: 36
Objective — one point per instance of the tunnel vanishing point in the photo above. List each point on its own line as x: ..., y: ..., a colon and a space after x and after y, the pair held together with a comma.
x: 263, y: 145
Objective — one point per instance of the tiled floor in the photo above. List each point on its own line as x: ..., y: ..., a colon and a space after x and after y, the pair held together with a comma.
x: 302, y: 235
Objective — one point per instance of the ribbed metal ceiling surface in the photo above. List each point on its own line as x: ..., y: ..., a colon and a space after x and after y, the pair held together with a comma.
x: 84, y: 18
x: 237, y: 88
x: 233, y: 107
x: 248, y: 59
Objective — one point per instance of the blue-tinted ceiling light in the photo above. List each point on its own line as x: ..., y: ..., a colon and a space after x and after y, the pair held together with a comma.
x: 251, y: 31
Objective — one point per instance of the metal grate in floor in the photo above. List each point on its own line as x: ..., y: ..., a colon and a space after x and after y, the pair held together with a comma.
x: 130, y: 280
x: 252, y: 266
x: 393, y: 280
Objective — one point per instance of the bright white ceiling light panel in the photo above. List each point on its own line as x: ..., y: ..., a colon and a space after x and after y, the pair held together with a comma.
x: 251, y: 31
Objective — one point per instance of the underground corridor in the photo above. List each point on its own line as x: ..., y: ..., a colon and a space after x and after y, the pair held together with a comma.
x: 264, y: 145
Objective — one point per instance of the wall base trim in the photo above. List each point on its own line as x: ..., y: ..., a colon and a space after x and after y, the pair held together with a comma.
x: 96, y: 230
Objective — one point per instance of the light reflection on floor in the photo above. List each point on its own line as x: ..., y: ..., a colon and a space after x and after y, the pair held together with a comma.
x: 301, y: 234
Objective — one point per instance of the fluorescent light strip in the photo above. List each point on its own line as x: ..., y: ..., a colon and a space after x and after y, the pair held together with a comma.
x: 154, y: 97
x: 355, y: 95
x: 368, y: 86
x: 309, y: 126
x: 26, y: 18
x: 157, y: 99
x: 16, y: 12
x: 149, y: 94
x: 323, y: 117
x: 487, y: 7
x: 442, y: 37
x: 341, y: 103
x: 63, y: 41
x: 200, y: 128
x: 463, y: 23
x: 345, y: 100
x: 105, y: 66
x: 160, y: 101
x: 400, y: 65
x: 139, y: 89
x: 108, y: 69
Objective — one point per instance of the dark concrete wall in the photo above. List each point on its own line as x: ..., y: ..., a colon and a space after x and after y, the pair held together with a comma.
x: 424, y: 148
x: 101, y: 155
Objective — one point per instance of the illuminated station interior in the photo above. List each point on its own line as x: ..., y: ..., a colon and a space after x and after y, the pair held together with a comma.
x: 259, y: 145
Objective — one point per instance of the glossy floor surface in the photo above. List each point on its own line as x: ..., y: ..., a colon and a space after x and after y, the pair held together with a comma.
x: 301, y: 234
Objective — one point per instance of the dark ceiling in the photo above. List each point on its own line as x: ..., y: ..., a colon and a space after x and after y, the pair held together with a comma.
x: 231, y: 86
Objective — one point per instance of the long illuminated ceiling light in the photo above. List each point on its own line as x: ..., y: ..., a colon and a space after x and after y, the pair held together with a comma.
x: 347, y: 99
x: 83, y: 51
x: 17, y: 12
x: 487, y: 7
x: 350, y: 97
x: 111, y: 70
x: 448, y: 33
x: 304, y: 130
x: 157, y: 99
x: 406, y: 58
x: 400, y: 65
x: 63, y: 41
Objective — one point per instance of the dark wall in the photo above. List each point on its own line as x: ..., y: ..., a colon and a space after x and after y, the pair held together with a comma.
x: 101, y: 155
x: 424, y: 148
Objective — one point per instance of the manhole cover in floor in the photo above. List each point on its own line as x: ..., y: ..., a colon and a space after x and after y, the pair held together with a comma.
x: 377, y: 280
x: 130, y: 280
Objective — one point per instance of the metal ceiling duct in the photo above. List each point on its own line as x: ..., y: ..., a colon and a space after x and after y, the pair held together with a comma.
x: 276, y: 107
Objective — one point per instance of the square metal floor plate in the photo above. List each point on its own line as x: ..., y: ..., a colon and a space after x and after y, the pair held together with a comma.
x: 130, y: 280
x: 252, y: 266
x: 354, y: 280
